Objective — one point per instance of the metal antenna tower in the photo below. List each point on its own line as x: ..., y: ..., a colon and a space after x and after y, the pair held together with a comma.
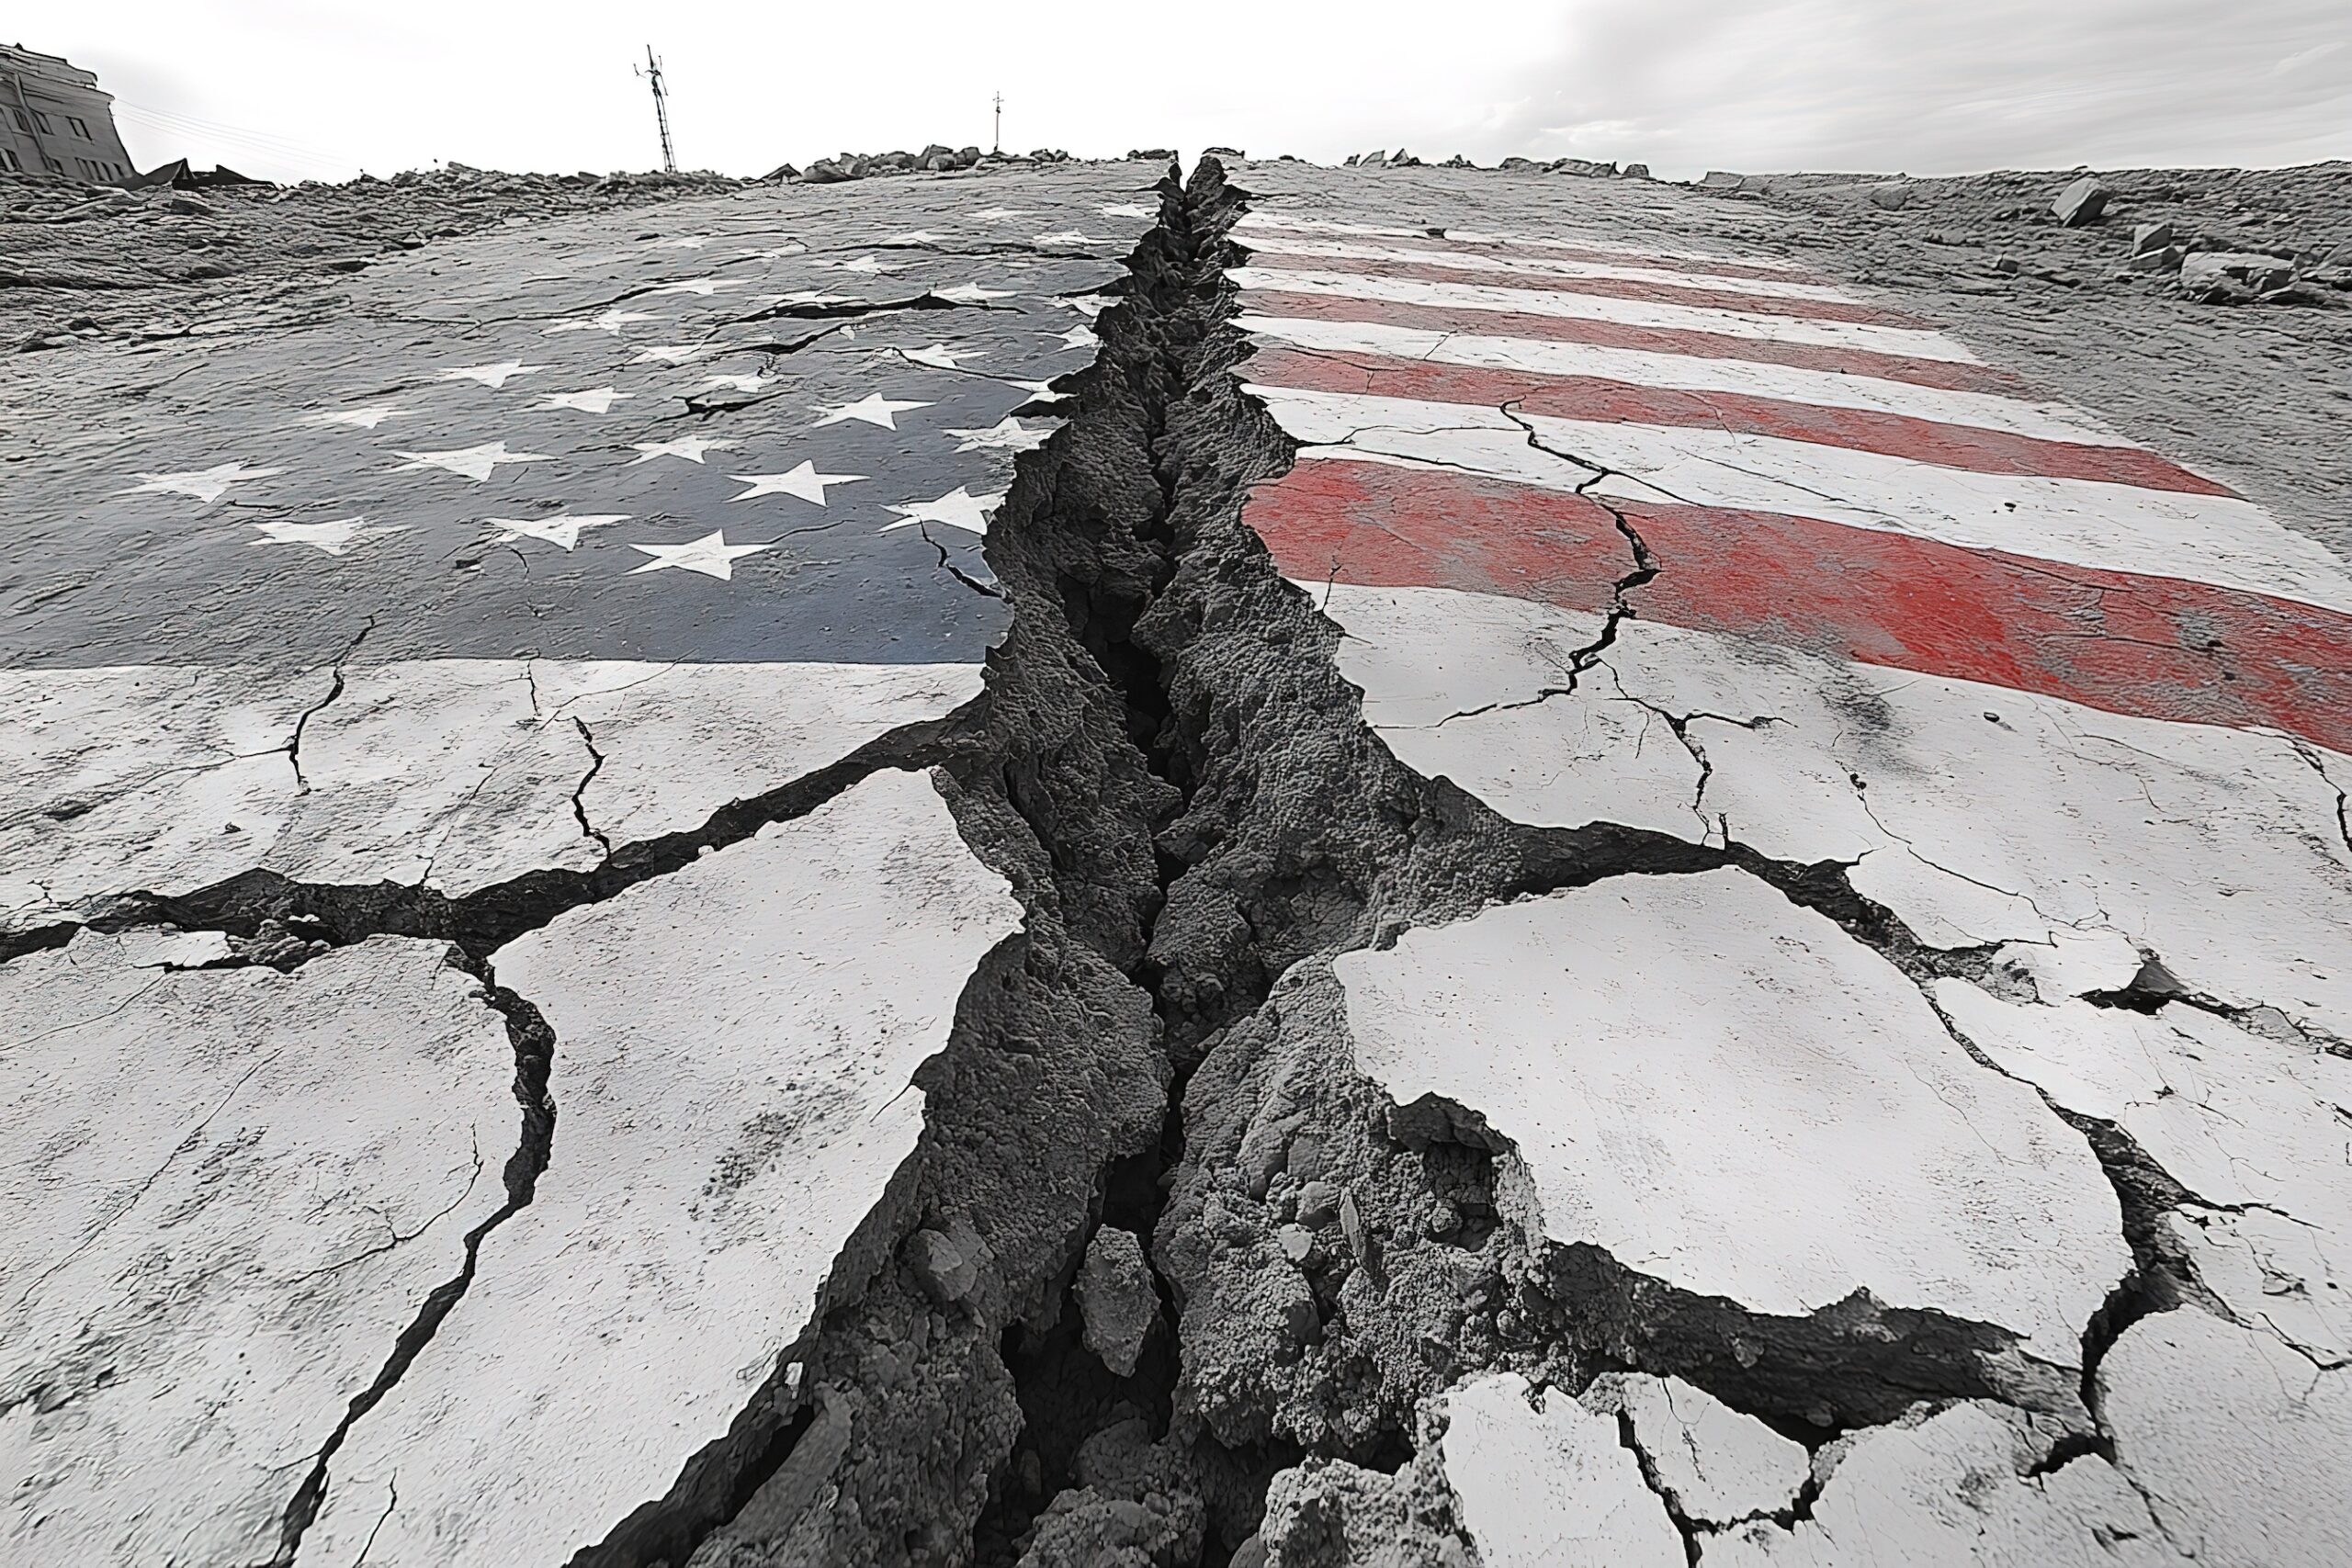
x: 651, y: 71
x: 1000, y: 122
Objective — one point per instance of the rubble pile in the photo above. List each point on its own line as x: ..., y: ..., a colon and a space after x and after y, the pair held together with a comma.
x: 80, y: 261
x: 2212, y: 236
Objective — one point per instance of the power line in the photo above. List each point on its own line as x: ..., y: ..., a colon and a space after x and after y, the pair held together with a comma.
x: 653, y: 72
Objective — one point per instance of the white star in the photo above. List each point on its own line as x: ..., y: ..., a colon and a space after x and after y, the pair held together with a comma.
x: 206, y: 485
x: 919, y: 237
x: 999, y: 214
x: 972, y: 294
x: 610, y: 322
x: 676, y: 352
x: 940, y: 356
x: 682, y: 243
x: 711, y: 555
x: 368, y: 418
x: 874, y: 409
x: 1080, y: 337
x: 335, y: 538
x: 804, y: 481
x: 562, y: 531
x: 595, y: 400
x: 747, y: 383
x: 957, y: 508
x: 469, y: 462
x: 698, y: 285
x: 690, y: 448
x: 1007, y: 433
x: 491, y: 375
x: 1127, y: 209
x: 1066, y: 237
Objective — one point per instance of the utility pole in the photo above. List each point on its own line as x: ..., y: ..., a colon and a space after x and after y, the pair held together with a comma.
x: 1000, y: 122
x: 651, y: 71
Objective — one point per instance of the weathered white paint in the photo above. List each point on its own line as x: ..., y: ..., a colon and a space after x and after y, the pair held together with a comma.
x: 2208, y: 538
x: 1915, y: 341
x: 1954, y: 1492
x: 1278, y: 220
x: 1716, y: 1464
x: 1687, y: 372
x: 1547, y: 1484
x: 2239, y: 1119
x: 734, y: 1046
x: 1727, y: 1092
x: 2021, y: 827
x: 2239, y: 1443
x: 457, y: 773
x: 227, y: 1195
x: 1542, y: 267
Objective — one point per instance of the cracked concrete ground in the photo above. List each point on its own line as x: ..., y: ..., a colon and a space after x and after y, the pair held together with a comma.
x: 1430, y: 875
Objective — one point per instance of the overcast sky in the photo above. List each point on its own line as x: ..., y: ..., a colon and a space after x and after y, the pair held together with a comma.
x: 284, y: 88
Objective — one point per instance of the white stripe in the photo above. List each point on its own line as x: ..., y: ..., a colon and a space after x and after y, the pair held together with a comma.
x: 1828, y: 389
x: 461, y: 772
x: 1548, y: 266
x: 2236, y: 877
x: 1283, y: 220
x: 1917, y: 342
x: 2206, y: 538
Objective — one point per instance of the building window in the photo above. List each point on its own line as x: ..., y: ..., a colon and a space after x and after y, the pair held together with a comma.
x: 42, y: 121
x: 8, y: 160
x: 80, y: 129
x: 22, y: 125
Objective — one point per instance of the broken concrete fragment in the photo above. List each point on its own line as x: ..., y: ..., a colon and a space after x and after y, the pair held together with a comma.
x: 2237, y: 1441
x: 2081, y: 202
x: 2243, y: 1121
x: 2206, y: 272
x: 1893, y: 196
x: 1545, y: 1483
x: 230, y: 1194
x: 1973, y: 1485
x: 2164, y: 258
x: 1711, y: 1463
x: 1545, y: 1015
x: 730, y: 1128
x: 1298, y: 1243
x: 1721, y: 179
x: 2148, y: 237
x: 1117, y: 1298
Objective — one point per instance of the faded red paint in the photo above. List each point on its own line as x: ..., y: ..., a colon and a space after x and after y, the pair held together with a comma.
x: 1552, y: 396
x: 1710, y: 267
x: 1604, y: 288
x: 1950, y: 376
x: 2150, y: 647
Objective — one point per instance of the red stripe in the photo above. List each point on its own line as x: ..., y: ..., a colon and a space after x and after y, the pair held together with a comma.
x: 1711, y: 266
x: 1608, y: 287
x: 1950, y: 376
x: 1623, y: 403
x: 2151, y: 647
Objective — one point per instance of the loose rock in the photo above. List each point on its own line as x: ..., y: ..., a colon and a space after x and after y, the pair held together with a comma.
x: 1117, y: 1298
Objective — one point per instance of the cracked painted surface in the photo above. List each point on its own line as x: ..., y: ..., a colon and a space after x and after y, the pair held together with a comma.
x: 732, y: 1075
x: 1627, y: 525
x: 228, y: 1194
x: 1543, y: 1481
x: 1745, y: 964
x: 1836, y: 1139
